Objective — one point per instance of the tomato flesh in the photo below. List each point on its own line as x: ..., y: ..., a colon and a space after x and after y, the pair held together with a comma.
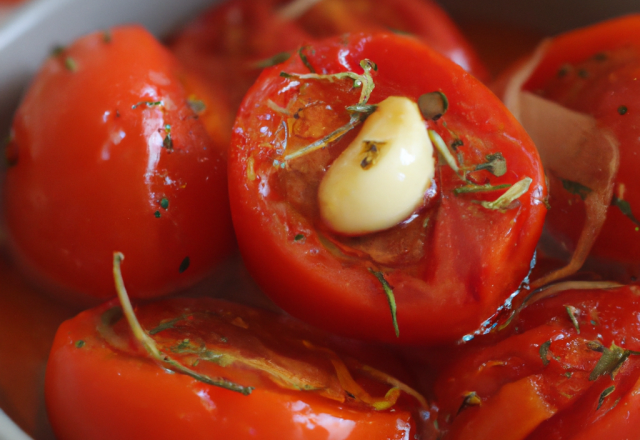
x: 450, y: 265
x: 108, y: 155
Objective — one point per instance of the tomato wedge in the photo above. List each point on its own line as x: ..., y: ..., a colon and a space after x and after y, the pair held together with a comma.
x: 243, y: 373
x: 109, y: 151
x: 447, y: 266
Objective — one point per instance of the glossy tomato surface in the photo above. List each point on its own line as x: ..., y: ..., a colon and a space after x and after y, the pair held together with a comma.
x: 566, y: 368
x: 109, y: 152
x: 298, y: 383
x: 450, y: 265
x: 595, y: 71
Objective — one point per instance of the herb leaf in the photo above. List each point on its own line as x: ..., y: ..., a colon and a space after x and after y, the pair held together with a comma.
x: 504, y: 202
x: 625, y: 207
x: 305, y: 60
x: 388, y: 290
x: 496, y: 164
x: 479, y: 188
x: 470, y: 399
x: 544, y: 352
x: 272, y: 61
x: 604, y: 395
x: 571, y: 311
x: 610, y: 362
x: 576, y: 188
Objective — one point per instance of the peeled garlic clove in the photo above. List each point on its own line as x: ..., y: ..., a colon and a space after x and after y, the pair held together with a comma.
x: 382, y: 176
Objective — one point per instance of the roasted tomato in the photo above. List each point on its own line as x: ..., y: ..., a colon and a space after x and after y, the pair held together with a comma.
x: 423, y: 19
x: 569, y: 369
x: 28, y: 323
x: 232, y: 41
x: 445, y: 240
x: 593, y: 72
x: 108, y: 152
x: 222, y: 371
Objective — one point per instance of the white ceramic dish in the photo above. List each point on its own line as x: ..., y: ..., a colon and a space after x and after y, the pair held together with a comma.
x: 33, y: 29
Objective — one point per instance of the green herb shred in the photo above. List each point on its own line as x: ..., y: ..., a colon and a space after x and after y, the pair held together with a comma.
x: 625, y: 207
x: 576, y: 188
x: 388, y: 290
x: 184, y: 265
x: 571, y: 311
x: 604, y: 395
x: 544, y: 352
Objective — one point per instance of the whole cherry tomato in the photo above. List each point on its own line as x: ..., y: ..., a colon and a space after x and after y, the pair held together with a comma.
x: 594, y: 71
x: 567, y: 369
x: 238, y: 373
x: 109, y: 152
x: 448, y: 264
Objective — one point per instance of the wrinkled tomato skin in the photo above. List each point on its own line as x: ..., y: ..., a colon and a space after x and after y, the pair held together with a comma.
x: 99, y: 392
x: 468, y: 271
x: 92, y: 173
x: 567, y: 398
x: 594, y: 71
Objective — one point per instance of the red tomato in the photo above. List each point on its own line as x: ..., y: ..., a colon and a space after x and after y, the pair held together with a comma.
x: 28, y: 323
x: 107, y: 154
x: 228, y: 43
x: 569, y: 369
x: 450, y: 265
x: 99, y: 385
x: 231, y: 42
x: 423, y: 19
x: 595, y: 71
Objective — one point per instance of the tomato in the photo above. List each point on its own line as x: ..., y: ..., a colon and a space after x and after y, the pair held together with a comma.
x: 594, y: 71
x: 568, y: 369
x: 28, y: 323
x: 423, y: 19
x: 108, y: 152
x: 289, y: 380
x: 449, y: 265
x: 228, y: 43
x: 231, y: 42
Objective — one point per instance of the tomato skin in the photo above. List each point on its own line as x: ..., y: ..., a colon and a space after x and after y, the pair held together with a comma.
x: 594, y: 71
x: 97, y: 391
x: 28, y: 323
x: 225, y: 42
x: 568, y: 398
x: 466, y: 273
x: 229, y: 41
x: 423, y: 19
x: 91, y: 173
